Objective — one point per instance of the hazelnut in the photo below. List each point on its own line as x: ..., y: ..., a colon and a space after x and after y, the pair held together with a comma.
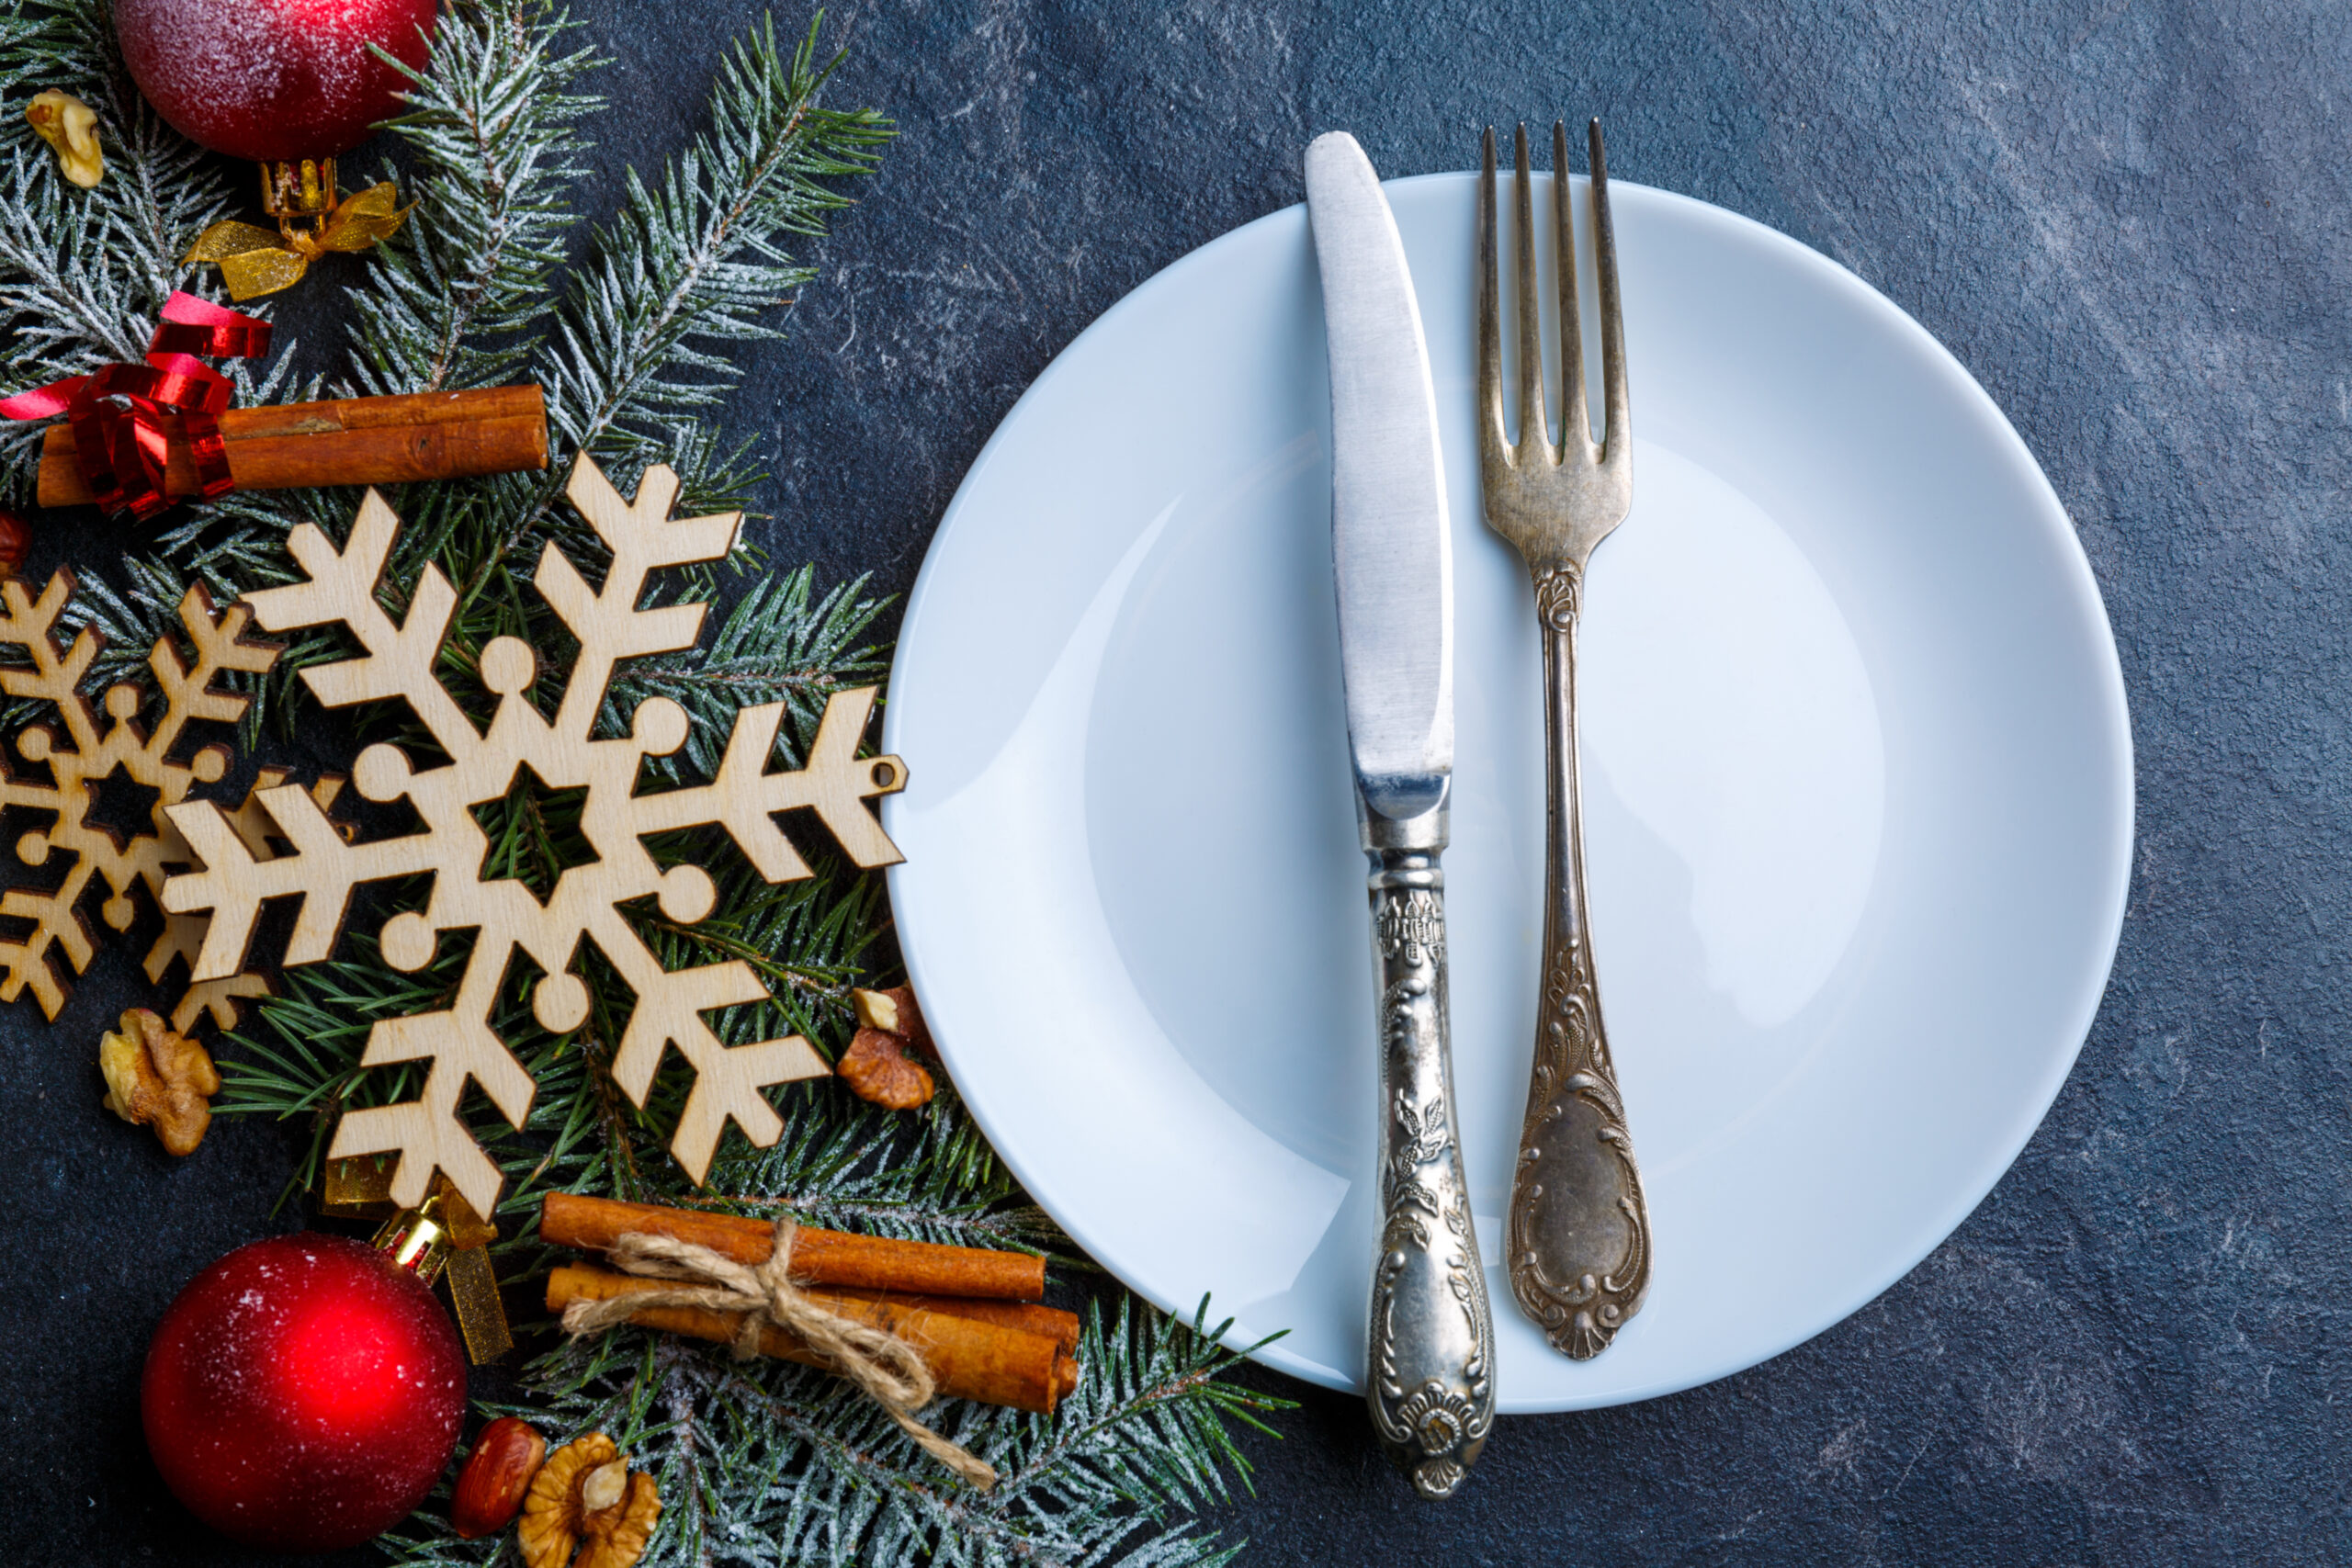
x: 69, y: 126
x: 154, y: 1076
x: 876, y: 1010
x: 586, y: 1496
x: 496, y: 1476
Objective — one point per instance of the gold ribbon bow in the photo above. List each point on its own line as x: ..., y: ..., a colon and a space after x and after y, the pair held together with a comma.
x: 256, y: 261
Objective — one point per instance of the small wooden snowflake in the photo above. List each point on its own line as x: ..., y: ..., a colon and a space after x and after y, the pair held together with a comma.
x: 81, y: 753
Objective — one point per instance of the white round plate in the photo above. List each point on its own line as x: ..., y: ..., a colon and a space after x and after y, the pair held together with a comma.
x: 1857, y: 769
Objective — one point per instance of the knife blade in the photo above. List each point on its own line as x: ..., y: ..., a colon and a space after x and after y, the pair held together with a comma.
x: 1392, y: 548
x: 1430, y: 1338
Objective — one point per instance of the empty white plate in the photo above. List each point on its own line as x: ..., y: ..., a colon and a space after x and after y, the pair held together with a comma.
x: 1857, y: 769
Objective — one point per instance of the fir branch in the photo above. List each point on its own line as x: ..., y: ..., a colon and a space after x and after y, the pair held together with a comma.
x: 490, y: 130
x: 698, y: 261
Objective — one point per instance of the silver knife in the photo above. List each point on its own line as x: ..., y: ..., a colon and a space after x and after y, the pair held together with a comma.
x: 1429, y: 1355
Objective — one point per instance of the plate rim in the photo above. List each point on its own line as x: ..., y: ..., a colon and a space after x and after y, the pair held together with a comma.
x: 2081, y: 586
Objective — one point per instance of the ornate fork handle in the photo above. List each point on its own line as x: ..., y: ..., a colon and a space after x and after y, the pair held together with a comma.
x: 1578, y: 1233
x: 1429, y: 1383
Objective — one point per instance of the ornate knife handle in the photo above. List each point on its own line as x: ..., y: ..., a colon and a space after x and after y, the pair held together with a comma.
x: 1579, y: 1232
x: 1431, y: 1350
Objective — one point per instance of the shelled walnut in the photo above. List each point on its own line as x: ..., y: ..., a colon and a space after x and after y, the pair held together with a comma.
x: 586, y: 1499
x: 877, y: 1064
x: 154, y: 1076
x: 69, y: 126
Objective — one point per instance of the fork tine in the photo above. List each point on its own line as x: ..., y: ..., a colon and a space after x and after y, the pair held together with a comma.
x: 1534, y: 428
x: 1576, y: 422
x: 1493, y: 435
x: 1619, y: 434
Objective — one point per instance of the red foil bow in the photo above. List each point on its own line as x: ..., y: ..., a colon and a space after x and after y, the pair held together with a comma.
x: 118, y: 414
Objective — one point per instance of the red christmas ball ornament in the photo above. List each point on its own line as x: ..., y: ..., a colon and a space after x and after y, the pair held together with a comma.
x: 303, y: 1394
x: 275, y: 81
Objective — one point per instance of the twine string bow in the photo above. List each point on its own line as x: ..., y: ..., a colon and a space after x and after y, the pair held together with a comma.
x: 891, y: 1371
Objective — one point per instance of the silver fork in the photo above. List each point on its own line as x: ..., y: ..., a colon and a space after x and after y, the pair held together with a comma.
x: 1577, y: 1241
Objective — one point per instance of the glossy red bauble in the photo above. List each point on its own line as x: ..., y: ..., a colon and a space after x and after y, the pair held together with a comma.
x: 303, y: 1394
x: 272, y: 79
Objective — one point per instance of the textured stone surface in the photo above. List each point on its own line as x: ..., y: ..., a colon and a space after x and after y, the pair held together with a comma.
x: 2131, y: 223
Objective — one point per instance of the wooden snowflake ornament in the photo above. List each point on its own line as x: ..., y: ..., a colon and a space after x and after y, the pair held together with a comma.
x: 503, y: 914
x: 82, y: 755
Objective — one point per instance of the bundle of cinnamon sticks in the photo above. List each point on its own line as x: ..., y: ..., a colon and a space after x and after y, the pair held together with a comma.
x: 974, y: 1314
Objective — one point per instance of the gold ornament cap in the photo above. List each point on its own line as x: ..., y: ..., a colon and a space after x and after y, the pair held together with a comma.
x: 441, y: 1238
x: 314, y: 217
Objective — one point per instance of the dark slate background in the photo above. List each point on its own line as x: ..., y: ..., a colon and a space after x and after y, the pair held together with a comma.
x: 2129, y: 221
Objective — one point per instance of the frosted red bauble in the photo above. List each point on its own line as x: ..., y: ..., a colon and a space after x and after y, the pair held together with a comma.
x: 272, y: 79
x: 303, y: 1394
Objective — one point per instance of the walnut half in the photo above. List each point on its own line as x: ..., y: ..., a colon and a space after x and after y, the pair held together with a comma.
x: 69, y: 125
x: 586, y: 1496
x: 156, y: 1077
x: 617, y: 1536
x: 877, y: 1064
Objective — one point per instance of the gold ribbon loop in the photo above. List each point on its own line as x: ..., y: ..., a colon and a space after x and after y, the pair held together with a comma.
x: 255, y: 260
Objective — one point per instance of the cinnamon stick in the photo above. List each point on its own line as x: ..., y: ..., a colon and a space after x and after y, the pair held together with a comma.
x: 969, y: 1359
x: 819, y: 1257
x: 345, y: 441
x: 1055, y: 1324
